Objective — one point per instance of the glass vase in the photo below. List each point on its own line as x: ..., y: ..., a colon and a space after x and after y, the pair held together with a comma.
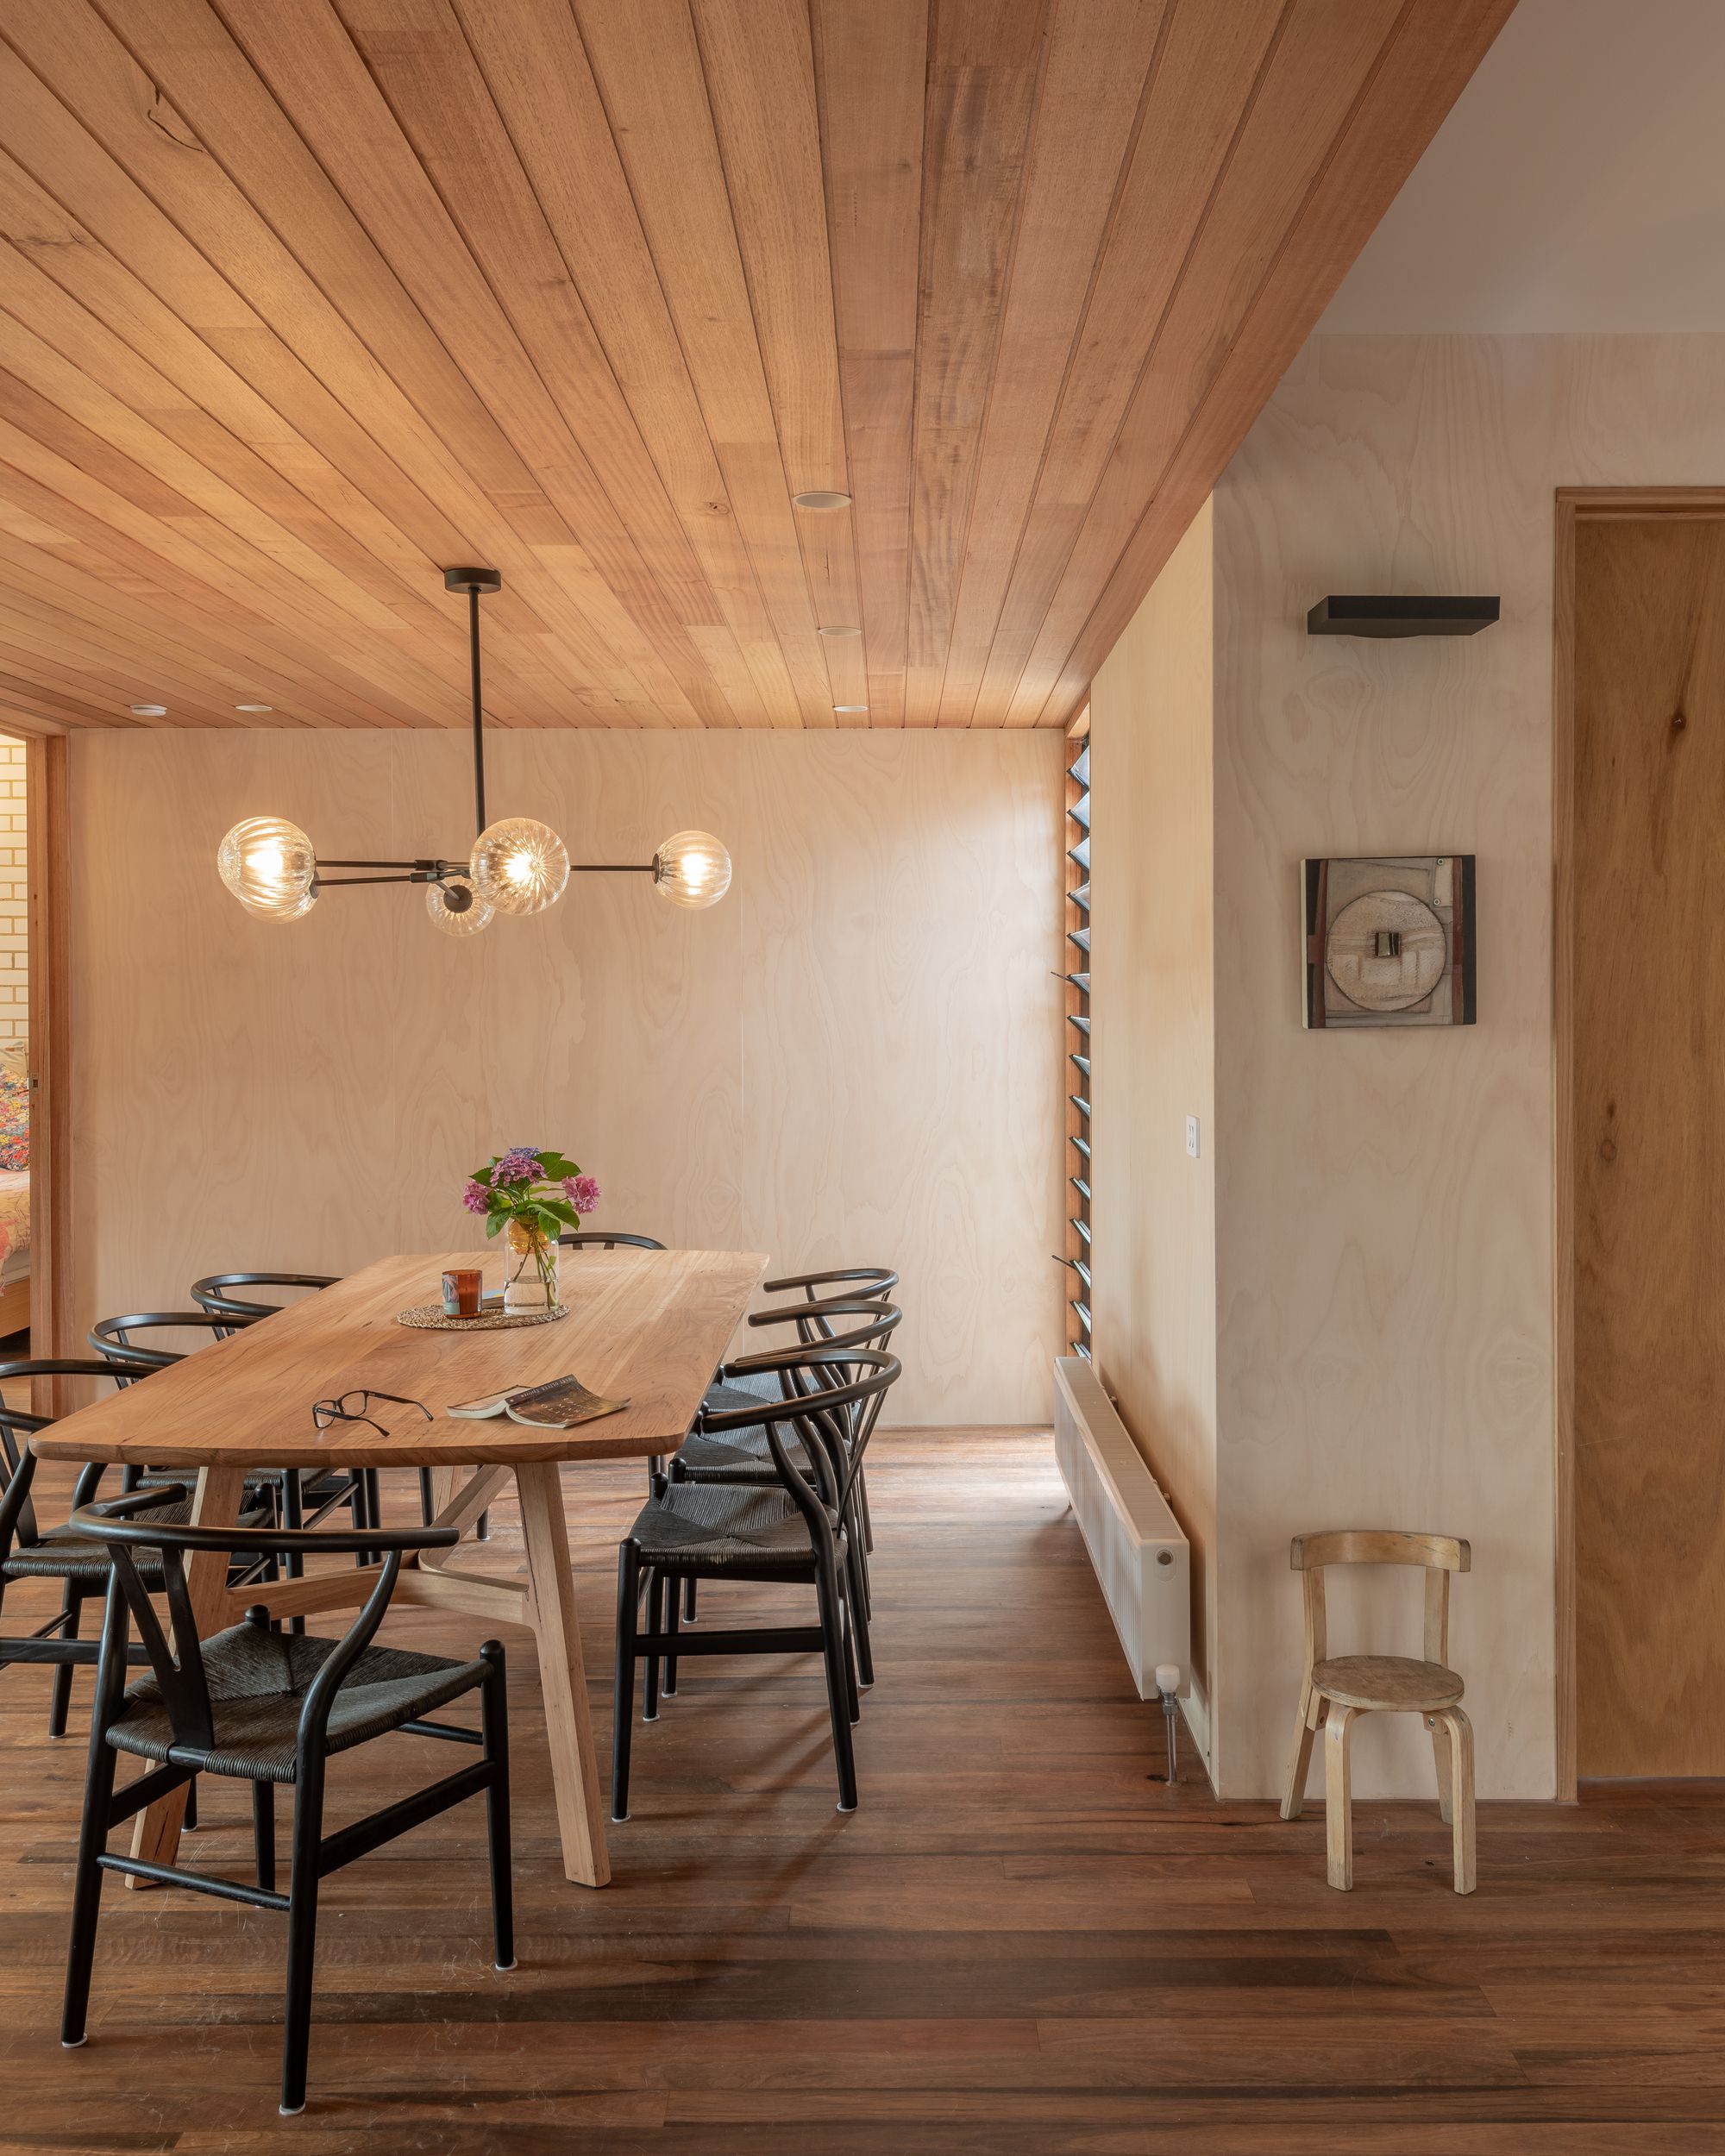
x: 530, y: 1276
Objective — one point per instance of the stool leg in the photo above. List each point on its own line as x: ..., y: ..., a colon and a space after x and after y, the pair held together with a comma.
x: 1441, y: 1752
x: 1339, y: 1794
x: 1300, y: 1758
x: 1460, y: 1732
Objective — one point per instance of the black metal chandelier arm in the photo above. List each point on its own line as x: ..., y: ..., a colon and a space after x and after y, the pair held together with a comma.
x: 615, y: 867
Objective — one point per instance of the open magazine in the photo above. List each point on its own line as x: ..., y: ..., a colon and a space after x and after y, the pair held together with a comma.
x: 559, y: 1404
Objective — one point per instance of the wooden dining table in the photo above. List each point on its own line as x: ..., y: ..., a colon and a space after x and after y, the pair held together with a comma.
x: 649, y: 1326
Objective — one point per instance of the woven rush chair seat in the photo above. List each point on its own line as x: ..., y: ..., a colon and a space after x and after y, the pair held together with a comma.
x: 741, y: 1452
x: 719, y: 1523
x: 62, y: 1555
x: 258, y: 1681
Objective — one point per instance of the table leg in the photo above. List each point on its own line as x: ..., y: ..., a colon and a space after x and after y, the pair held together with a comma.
x: 215, y: 1502
x: 563, y: 1674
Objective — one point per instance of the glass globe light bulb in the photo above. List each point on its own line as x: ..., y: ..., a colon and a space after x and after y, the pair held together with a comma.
x: 271, y: 868
x: 692, y: 869
x: 457, y: 908
x: 521, y: 867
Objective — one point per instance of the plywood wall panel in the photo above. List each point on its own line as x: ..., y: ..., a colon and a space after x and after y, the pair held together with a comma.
x: 1385, y: 1200
x: 855, y: 1057
x: 1153, y: 1210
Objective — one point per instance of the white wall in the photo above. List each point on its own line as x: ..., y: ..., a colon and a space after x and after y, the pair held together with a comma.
x: 1153, y: 1212
x: 856, y: 1057
x: 1383, y: 1199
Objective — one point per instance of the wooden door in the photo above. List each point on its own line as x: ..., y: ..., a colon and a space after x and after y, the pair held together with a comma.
x: 1649, y: 1164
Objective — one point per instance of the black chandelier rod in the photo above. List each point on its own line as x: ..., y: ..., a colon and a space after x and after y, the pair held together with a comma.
x: 475, y: 583
x: 479, y: 709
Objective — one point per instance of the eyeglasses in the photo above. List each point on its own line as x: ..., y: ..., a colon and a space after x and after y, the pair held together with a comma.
x: 351, y: 1408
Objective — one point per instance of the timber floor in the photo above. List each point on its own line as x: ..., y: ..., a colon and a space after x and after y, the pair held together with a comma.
x: 1024, y: 1941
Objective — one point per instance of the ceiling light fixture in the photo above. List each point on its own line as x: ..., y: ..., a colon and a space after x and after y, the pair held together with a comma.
x: 148, y: 710
x: 254, y: 707
x: 517, y: 866
x: 850, y: 707
x: 821, y: 498
x: 838, y: 630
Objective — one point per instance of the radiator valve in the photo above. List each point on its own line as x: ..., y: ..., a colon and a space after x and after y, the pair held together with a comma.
x: 1168, y: 1684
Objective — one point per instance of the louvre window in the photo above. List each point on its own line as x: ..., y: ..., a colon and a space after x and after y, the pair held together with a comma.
x: 1077, y: 1256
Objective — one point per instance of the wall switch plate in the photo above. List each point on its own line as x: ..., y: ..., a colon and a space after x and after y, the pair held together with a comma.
x: 1192, y: 1136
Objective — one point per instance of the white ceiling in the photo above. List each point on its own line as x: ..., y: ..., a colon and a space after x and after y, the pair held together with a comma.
x: 1579, y: 183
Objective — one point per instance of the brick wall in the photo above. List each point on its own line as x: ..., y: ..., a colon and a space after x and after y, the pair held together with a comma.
x: 14, y: 996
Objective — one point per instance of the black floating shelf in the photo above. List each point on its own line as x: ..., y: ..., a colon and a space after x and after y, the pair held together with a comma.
x: 1381, y: 616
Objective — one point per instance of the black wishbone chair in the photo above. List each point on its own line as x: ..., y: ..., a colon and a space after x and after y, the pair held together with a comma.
x: 597, y: 1239
x: 213, y: 1293
x: 793, y: 1533
x: 29, y: 1551
x: 288, y: 1489
x: 875, y: 1283
x: 743, y: 1460
x: 268, y: 1706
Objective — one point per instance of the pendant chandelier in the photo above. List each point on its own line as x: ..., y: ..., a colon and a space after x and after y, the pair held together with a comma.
x: 517, y: 866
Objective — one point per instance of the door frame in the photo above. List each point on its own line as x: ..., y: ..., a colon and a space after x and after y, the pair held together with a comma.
x: 1576, y: 505
x: 47, y: 845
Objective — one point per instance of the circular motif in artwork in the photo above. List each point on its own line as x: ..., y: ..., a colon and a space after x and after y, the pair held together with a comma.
x: 1386, y: 950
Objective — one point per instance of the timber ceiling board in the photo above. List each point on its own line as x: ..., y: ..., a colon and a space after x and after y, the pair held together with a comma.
x: 300, y: 303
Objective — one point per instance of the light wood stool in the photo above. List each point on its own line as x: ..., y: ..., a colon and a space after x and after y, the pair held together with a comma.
x: 1336, y: 1690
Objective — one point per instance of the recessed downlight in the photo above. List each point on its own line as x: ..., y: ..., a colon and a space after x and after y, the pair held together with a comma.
x: 839, y: 629
x: 148, y: 710
x: 821, y: 498
x: 850, y: 707
x: 254, y: 707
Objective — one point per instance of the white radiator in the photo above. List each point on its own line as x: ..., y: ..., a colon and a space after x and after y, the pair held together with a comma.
x: 1142, y: 1559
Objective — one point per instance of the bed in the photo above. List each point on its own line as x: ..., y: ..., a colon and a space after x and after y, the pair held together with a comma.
x: 15, y: 1188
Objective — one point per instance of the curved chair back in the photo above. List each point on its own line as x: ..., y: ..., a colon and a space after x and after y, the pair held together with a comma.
x: 215, y: 1293
x: 585, y: 1239
x: 112, y: 1337
x: 17, y: 1514
x: 179, y: 1670
x: 831, y: 1402
x: 1439, y: 1555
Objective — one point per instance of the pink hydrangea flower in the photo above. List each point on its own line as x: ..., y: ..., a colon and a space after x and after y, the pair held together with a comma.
x: 520, y: 1164
x: 475, y: 1197
x: 582, y: 1192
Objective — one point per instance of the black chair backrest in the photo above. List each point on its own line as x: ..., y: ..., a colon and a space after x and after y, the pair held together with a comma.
x: 214, y: 1293
x: 17, y: 1424
x: 874, y: 1281
x: 585, y: 1239
x: 120, y: 1524
x: 112, y: 1337
x: 832, y: 1402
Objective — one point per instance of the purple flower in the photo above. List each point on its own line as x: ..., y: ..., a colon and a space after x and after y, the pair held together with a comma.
x: 582, y: 1192
x: 475, y: 1197
x: 520, y: 1164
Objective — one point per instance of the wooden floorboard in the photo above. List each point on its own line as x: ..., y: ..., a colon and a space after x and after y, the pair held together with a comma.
x: 1024, y: 1941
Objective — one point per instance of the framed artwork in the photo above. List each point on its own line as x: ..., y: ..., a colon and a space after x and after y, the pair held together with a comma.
x: 1390, y: 941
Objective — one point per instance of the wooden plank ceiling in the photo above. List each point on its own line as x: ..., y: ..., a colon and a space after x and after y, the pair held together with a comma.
x: 303, y: 300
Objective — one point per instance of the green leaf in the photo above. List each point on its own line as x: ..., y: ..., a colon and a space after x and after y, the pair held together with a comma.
x: 493, y: 1223
x: 557, y: 1166
x: 561, y: 1211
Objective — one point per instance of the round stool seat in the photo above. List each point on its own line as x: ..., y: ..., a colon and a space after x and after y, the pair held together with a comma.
x: 1393, y: 1682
